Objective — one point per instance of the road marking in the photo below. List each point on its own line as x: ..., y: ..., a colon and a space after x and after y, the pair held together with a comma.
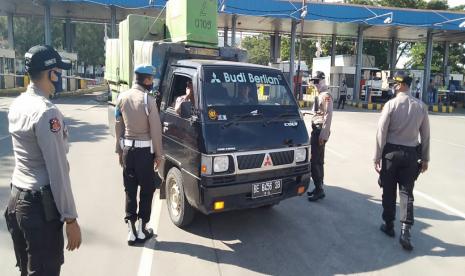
x: 146, y: 259
x: 336, y: 153
x: 448, y: 143
x: 4, y: 137
x: 440, y: 204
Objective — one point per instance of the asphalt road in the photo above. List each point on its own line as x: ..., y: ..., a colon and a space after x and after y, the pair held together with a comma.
x: 338, y: 235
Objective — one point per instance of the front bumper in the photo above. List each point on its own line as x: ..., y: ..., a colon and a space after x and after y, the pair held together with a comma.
x: 236, y: 190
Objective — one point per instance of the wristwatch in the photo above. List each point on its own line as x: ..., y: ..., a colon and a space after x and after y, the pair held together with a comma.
x: 70, y: 221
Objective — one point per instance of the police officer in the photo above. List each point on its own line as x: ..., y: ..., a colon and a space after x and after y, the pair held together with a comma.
x: 41, y: 197
x: 139, y: 146
x: 342, y: 95
x: 321, y: 125
x: 399, y: 156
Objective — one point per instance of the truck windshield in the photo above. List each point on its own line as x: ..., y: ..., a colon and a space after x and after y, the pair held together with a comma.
x: 245, y: 86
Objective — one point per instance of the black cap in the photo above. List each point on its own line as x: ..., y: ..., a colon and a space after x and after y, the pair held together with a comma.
x: 44, y: 57
x: 402, y: 77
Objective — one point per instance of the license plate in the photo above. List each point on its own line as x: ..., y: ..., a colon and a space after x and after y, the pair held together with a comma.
x: 267, y: 188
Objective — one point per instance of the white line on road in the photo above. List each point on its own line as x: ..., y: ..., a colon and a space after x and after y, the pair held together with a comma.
x: 4, y: 137
x: 448, y: 143
x: 440, y: 204
x: 336, y: 153
x: 145, y: 264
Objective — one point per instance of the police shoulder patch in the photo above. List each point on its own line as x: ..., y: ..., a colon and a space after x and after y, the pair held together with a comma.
x: 55, y: 125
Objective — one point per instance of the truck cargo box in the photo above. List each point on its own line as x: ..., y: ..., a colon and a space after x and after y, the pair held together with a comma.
x: 112, y: 53
x: 136, y: 27
x: 192, y: 22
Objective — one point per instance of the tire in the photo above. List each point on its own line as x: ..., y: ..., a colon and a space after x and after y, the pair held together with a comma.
x: 180, y: 211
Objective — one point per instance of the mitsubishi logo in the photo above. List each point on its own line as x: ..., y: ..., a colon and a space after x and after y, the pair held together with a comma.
x: 215, y: 79
x: 267, y: 162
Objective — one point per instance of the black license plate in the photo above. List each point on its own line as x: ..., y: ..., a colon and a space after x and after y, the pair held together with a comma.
x: 267, y: 188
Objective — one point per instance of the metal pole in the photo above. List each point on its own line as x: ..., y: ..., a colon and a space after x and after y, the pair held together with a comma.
x: 429, y: 57
x: 225, y: 38
x: 11, y: 36
x: 68, y: 35
x: 292, y: 54
x: 299, y: 83
x: 393, y: 54
x: 48, y: 29
x: 113, y: 21
x: 446, y: 63
x: 272, y: 49
x: 359, y: 64
x: 333, y: 50
x: 233, y: 30
x: 277, y: 45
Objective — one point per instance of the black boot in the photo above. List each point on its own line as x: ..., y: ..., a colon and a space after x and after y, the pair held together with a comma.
x: 132, y: 235
x: 405, y: 237
x: 310, y: 193
x: 317, y: 194
x: 388, y: 229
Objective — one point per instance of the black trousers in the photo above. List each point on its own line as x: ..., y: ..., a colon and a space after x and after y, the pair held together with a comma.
x: 342, y: 99
x: 399, y: 167
x: 318, y: 157
x: 138, y: 172
x: 38, y: 244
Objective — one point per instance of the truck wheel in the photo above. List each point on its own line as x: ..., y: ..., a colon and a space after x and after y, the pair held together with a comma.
x: 181, y: 212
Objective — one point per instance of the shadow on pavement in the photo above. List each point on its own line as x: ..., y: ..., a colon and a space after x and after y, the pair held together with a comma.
x: 81, y: 131
x: 338, y: 235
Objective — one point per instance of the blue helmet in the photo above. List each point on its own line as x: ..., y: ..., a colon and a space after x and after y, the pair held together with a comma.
x: 145, y: 69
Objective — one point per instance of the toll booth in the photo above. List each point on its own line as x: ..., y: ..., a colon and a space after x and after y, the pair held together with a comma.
x: 7, y: 68
x: 68, y: 80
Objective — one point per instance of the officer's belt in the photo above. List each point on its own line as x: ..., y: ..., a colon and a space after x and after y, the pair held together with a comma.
x: 29, y: 195
x: 137, y: 143
x: 317, y: 126
x: 400, y: 147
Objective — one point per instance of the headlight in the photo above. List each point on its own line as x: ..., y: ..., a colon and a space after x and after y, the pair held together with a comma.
x: 220, y: 164
x: 300, y: 155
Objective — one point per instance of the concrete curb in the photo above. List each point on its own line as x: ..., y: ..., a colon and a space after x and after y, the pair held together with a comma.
x: 377, y: 106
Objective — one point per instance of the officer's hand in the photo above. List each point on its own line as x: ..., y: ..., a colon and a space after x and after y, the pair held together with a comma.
x: 156, y: 163
x: 322, y: 141
x: 424, y: 166
x: 73, y: 233
x: 378, y: 166
x: 120, y: 157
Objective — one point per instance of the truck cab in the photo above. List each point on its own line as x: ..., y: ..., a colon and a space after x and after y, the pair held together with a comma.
x: 241, y: 143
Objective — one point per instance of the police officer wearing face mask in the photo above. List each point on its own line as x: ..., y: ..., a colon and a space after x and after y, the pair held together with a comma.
x: 321, y: 128
x: 139, y: 147
x: 41, y: 197
x: 399, y: 156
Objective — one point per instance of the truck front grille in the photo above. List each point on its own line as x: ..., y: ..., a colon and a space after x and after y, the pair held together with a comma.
x: 252, y: 161
x: 282, y: 157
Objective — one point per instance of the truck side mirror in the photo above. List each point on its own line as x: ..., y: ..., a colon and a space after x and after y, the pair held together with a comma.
x: 186, y: 110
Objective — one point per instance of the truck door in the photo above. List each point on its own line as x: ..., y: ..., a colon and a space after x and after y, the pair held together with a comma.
x: 181, y: 135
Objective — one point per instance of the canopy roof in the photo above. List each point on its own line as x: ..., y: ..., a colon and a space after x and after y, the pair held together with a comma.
x: 321, y: 19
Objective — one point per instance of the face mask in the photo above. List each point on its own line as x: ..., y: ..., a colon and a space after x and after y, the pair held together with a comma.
x: 148, y: 87
x: 56, y: 83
